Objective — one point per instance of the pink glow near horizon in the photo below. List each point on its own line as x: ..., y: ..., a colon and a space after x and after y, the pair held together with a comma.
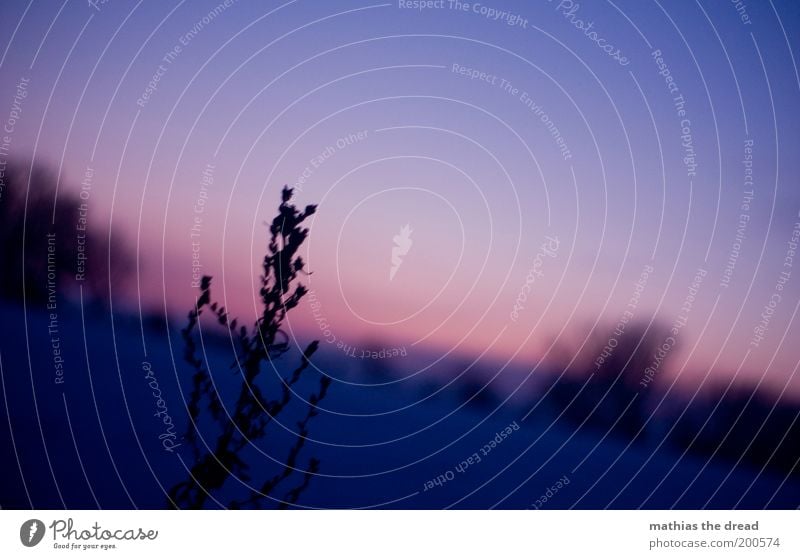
x: 394, y: 131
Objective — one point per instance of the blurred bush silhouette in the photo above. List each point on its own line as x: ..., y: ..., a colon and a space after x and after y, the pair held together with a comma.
x: 618, y: 394
x: 741, y: 424
x: 40, y: 236
x: 608, y: 393
x: 246, y: 421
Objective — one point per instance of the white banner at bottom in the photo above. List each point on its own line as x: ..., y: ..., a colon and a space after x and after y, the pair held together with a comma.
x: 401, y: 534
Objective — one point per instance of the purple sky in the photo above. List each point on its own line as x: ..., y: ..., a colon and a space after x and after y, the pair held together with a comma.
x: 487, y: 132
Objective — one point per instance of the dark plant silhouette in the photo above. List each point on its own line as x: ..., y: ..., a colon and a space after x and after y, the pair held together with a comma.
x: 253, y: 411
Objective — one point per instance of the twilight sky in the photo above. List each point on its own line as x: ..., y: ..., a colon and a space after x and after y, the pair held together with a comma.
x: 551, y: 149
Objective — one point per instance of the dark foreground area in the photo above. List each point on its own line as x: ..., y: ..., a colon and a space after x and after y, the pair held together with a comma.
x: 104, y: 430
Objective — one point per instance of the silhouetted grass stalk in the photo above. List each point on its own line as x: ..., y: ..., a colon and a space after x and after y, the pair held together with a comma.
x: 253, y: 411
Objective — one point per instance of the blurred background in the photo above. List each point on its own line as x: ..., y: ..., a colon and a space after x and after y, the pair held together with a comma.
x: 568, y: 229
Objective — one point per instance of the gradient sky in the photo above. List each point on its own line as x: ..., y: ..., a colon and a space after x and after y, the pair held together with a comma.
x: 265, y: 88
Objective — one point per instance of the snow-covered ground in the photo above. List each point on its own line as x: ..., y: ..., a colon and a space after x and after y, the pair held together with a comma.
x: 95, y: 439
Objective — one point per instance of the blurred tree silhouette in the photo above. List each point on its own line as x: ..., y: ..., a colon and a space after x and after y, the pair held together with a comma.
x: 39, y: 235
x: 616, y: 394
x: 253, y: 411
x: 607, y: 393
